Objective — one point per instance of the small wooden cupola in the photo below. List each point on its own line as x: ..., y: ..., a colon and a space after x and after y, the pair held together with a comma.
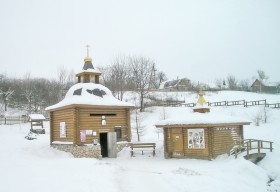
x: 88, y: 74
x: 201, y: 106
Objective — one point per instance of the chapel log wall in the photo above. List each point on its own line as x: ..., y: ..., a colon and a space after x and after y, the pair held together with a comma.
x: 90, y: 119
x: 67, y: 116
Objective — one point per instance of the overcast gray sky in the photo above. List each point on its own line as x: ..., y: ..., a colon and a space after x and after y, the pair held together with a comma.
x: 201, y: 40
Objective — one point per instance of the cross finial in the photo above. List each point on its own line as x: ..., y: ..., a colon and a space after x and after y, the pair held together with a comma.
x: 87, y: 46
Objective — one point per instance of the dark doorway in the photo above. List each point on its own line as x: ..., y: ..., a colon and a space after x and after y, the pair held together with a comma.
x: 103, y: 144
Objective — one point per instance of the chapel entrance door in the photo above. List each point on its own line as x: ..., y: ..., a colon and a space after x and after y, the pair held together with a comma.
x: 104, y: 144
x: 178, y: 149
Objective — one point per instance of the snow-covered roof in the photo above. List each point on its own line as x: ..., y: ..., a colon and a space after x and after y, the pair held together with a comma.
x: 202, y: 118
x: 271, y: 84
x: 36, y: 117
x: 161, y: 86
x: 267, y: 83
x: 171, y: 83
x: 89, y: 94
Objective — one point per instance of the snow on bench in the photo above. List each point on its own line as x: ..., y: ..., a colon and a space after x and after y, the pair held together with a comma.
x: 142, y: 147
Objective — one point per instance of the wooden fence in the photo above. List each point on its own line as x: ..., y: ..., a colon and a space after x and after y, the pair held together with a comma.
x: 188, y: 104
x: 12, y: 120
x: 166, y: 103
x: 253, y: 103
x: 273, y: 105
x: 237, y: 102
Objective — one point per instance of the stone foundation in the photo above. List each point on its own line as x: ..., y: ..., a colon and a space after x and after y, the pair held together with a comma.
x: 87, y: 151
x: 122, y: 145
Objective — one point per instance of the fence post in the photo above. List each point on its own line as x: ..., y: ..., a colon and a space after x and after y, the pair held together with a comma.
x: 259, y: 148
x: 250, y: 144
x: 248, y: 151
x: 270, y: 146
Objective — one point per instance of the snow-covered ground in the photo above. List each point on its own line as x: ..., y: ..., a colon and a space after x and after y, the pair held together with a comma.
x: 32, y: 165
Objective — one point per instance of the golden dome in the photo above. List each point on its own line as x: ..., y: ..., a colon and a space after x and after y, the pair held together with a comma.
x: 88, y: 59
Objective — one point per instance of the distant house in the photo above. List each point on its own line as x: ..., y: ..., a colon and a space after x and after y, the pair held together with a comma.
x: 176, y: 85
x: 262, y: 87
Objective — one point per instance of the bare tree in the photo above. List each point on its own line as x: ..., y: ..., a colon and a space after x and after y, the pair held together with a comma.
x: 262, y: 76
x: 6, y: 92
x: 142, y: 70
x: 137, y: 124
x: 119, y: 73
x: 232, y: 82
x: 71, y: 78
x: 219, y: 83
x: 30, y: 94
x: 160, y: 77
x: 62, y: 80
x: 28, y: 91
x: 244, y: 85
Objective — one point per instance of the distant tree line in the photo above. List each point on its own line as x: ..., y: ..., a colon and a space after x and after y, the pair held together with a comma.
x: 32, y: 95
x: 231, y: 83
x: 125, y: 73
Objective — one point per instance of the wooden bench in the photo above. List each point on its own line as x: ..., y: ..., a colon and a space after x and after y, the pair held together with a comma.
x: 142, y: 147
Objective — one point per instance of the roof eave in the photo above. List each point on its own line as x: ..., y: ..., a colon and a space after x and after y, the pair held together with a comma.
x: 204, y: 125
x: 87, y: 106
x: 88, y: 72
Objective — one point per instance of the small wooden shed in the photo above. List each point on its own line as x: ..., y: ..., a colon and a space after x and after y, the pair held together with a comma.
x: 90, y: 114
x: 201, y: 134
x: 36, y: 120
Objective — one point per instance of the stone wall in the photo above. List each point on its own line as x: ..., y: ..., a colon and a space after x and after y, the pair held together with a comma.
x: 88, y: 151
x: 121, y: 145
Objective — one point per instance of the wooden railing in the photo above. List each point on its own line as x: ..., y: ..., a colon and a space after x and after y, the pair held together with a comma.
x: 220, y: 103
x: 188, y: 104
x: 253, y: 103
x: 251, y: 144
x: 273, y: 105
x: 237, y: 102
